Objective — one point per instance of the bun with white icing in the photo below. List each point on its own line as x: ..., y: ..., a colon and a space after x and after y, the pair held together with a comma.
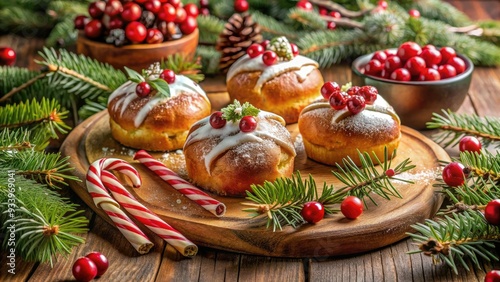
x: 330, y: 134
x: 160, y: 120
x: 284, y: 87
x: 231, y: 150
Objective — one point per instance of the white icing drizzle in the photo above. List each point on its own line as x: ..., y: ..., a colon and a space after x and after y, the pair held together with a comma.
x: 231, y: 136
x: 127, y: 94
x: 303, y: 66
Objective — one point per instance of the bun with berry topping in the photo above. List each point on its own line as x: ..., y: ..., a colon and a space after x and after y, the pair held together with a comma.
x: 147, y: 113
x: 277, y: 80
x: 231, y: 150
x: 346, y: 124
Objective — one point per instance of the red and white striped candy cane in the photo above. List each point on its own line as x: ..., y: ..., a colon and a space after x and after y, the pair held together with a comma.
x: 103, y: 200
x: 187, y: 189
x: 138, y: 210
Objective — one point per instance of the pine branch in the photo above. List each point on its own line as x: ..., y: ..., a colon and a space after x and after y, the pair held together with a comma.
x: 181, y: 65
x: 21, y: 139
x: 90, y: 108
x: 339, y: 8
x: 305, y: 20
x: 271, y: 27
x: 209, y: 58
x: 210, y: 27
x: 442, y: 11
x: 62, y: 34
x: 24, y: 21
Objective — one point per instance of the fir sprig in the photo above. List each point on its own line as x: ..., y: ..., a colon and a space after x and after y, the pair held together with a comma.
x: 209, y: 27
x: 21, y: 139
x: 180, y: 64
x: 235, y: 111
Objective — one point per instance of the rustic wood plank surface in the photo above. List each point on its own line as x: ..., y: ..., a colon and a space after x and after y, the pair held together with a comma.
x: 164, y: 264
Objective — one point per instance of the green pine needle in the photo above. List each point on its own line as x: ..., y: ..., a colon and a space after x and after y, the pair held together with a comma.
x: 210, y: 28
x: 21, y: 139
x: 184, y: 66
x: 209, y: 59
x: 235, y: 111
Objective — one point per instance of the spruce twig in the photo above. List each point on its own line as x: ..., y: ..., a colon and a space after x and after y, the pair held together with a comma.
x: 22, y: 86
x: 339, y: 8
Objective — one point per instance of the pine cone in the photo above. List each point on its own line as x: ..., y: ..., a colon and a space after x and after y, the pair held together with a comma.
x: 239, y: 33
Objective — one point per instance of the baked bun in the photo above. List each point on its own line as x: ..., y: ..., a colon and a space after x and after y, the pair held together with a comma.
x: 283, y: 88
x: 330, y: 135
x: 227, y: 161
x: 156, y: 122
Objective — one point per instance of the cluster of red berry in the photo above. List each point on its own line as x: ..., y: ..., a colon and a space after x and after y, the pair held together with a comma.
x: 7, y: 56
x: 247, y: 123
x: 355, y: 98
x: 144, y: 88
x: 121, y: 22
x: 410, y: 62
x: 313, y: 212
x: 269, y: 57
x: 90, y: 266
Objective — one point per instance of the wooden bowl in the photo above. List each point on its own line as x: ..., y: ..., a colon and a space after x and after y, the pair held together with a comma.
x: 136, y: 56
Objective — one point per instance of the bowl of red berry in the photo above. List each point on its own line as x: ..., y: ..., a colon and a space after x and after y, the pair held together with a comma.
x: 416, y: 80
x: 137, y: 33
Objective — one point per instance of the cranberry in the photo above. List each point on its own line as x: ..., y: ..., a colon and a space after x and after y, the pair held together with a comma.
x: 153, y: 6
x: 338, y: 100
x: 369, y: 93
x: 353, y: 90
x: 447, y: 71
x: 414, y: 13
x: 191, y: 10
x: 381, y: 56
x: 313, y: 212
x: 447, y: 53
x: 492, y: 212
x: 154, y: 36
x: 115, y: 23
x: 431, y: 56
x: 93, y: 29
x: 351, y: 207
x: 265, y: 43
x: 492, y: 276
x: 168, y: 76
x: 131, y: 12
x: 305, y: 5
x: 269, y: 58
x: 390, y: 172
x: 100, y: 261
x: 415, y: 65
x: 295, y: 49
x: 204, y: 3
x: 392, y: 63
x: 385, y: 74
x: 84, y: 269
x: 429, y: 74
x: 216, y: 120
x: 408, y: 49
x: 429, y: 46
x: 80, y: 21
x: 113, y: 8
x: 248, y: 124
x: 7, y: 56
x: 458, y: 64
x: 255, y: 50
x: 356, y: 104
x: 180, y: 15
x: 175, y: 3
x: 167, y: 13
x: 140, y: 1
x: 374, y: 67
x: 136, y: 32
x: 470, y: 144
x: 204, y: 11
x: 382, y: 4
x: 390, y: 53
x: 331, y: 25
x: 96, y: 9
x: 188, y: 26
x: 329, y: 88
x: 453, y: 174
x: 401, y: 74
x: 322, y: 11
x: 335, y: 14
x: 143, y: 89
x: 241, y: 6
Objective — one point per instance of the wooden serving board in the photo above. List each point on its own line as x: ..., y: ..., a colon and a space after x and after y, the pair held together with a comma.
x: 335, y: 235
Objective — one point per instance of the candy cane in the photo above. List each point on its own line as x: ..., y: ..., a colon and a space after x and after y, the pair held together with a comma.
x: 103, y: 200
x: 138, y: 210
x: 181, y: 185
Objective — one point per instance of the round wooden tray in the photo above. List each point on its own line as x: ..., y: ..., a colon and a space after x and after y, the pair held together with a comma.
x: 335, y: 235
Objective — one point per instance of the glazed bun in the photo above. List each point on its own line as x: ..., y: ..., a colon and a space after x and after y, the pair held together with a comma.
x: 330, y: 135
x: 227, y: 161
x: 283, y: 88
x: 156, y: 122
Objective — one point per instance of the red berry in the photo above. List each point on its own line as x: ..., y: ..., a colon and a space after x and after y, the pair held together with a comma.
x: 265, y: 43
x: 431, y: 56
x: 100, y: 261
x: 407, y: 50
x: 351, y: 207
x: 374, y: 67
x: 191, y: 10
x: 154, y: 36
x: 447, y: 53
x: 7, y: 56
x: 429, y: 74
x: 355, y: 104
x: 269, y: 58
x: 429, y: 46
x: 458, y: 64
x: 401, y: 74
x: 84, y: 269
x: 167, y: 13
x: 136, y: 32
x: 331, y: 25
x: 335, y: 14
x: 131, y: 12
x: 96, y: 9
x: 382, y: 4
x: 168, y: 76
x: 415, y: 65
x: 453, y: 174
x: 216, y: 120
x: 469, y: 144
x: 248, y: 124
x: 392, y: 63
x: 338, y: 100
x: 329, y: 88
x: 204, y: 11
x: 381, y: 56
x: 204, y: 3
x: 295, y: 49
x: 115, y: 23
x: 241, y: 6
x: 353, y: 90
x: 385, y: 74
x: 369, y: 93
x: 175, y: 3
x: 180, y: 15
x: 140, y: 1
x: 143, y: 89
x: 492, y: 212
x: 322, y: 11
x: 390, y: 52
x: 390, y: 172
x: 414, y: 13
x: 492, y: 276
x: 305, y: 5
x: 80, y: 21
x: 153, y: 6
x: 447, y: 71
x: 255, y: 50
x: 313, y: 212
x: 188, y: 26
x: 93, y: 29
x: 113, y: 8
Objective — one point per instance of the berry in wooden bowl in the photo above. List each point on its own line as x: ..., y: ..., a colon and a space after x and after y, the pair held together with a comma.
x: 416, y: 81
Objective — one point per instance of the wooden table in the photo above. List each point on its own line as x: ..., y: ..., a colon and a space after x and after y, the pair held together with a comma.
x: 163, y: 264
